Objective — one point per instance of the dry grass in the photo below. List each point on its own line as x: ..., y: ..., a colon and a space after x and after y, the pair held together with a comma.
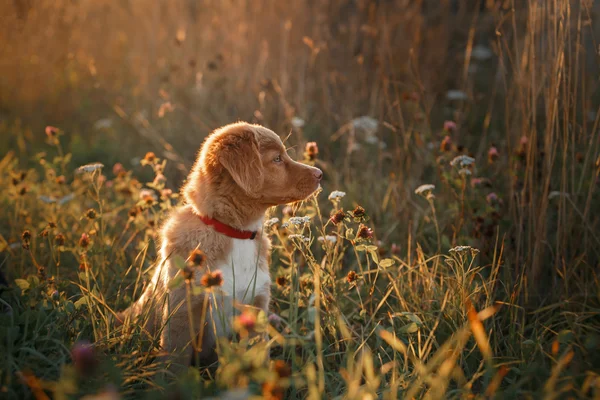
x: 403, y: 314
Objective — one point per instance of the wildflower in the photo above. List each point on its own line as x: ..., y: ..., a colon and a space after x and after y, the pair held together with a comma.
x: 89, y: 168
x: 282, y: 369
x: 481, y: 53
x: 47, y: 199
x: 358, y: 212
x: 59, y: 239
x: 281, y: 281
x: 211, y: 279
x: 288, y: 211
x: 270, y: 222
x: 336, y: 194
x: 492, y: 198
x: 133, y: 211
x: 84, y: 241
x: 456, y: 95
x: 275, y: 319
x: 395, y: 249
x: 327, y: 238
x: 26, y: 239
x: 449, y: 126
x: 311, y: 150
x: 91, y: 213
x: 522, y: 149
x: 166, y: 193
x: 337, y: 217
x: 197, y: 258
x: 149, y: 158
x: 118, y: 169
x: 51, y: 224
x: 464, y: 172
x: 299, y: 237
x: 246, y: 321
x: 104, y: 123
x: 84, y: 358
x: 553, y: 194
x: 297, y: 122
x: 365, y: 123
x: 84, y: 266
x: 352, y: 277
x: 52, y: 131
x: 492, y: 154
x: 424, y: 190
x: 159, y: 179
x: 299, y: 220
x: 61, y: 180
x: 462, y: 161
x: 55, y: 295
x: 446, y: 144
x: 15, y: 181
x: 364, y: 232
x: 23, y: 190
x: 148, y: 196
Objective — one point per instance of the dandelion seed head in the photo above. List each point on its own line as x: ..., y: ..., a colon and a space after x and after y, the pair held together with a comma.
x: 425, y: 189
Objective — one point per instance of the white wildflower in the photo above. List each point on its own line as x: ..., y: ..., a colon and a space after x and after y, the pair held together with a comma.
x: 285, y: 225
x: 336, y: 194
x: 299, y: 237
x: 104, y: 123
x: 89, y: 168
x: 144, y: 193
x: 556, y: 193
x: 462, y: 161
x: 327, y: 238
x: 481, y: 53
x: 270, y: 222
x: 299, y: 220
x: 456, y: 95
x: 47, y: 199
x: 462, y: 250
x: 366, y: 124
x: 464, y: 172
x: 298, y: 122
x: 66, y: 199
x: 423, y: 190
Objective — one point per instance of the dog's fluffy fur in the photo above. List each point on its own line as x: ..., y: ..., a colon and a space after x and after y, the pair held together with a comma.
x: 240, y: 172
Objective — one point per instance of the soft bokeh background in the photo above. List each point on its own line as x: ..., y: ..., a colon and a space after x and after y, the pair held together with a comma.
x: 390, y: 90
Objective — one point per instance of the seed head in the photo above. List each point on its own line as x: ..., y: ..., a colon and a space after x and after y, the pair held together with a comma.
x: 311, y: 150
x: 26, y: 235
x: 247, y: 321
x: 211, y: 279
x: 364, y: 232
x: 358, y: 212
x: 282, y: 369
x: 51, y: 131
x: 118, y: 169
x: 449, y: 126
x: 150, y: 157
x: 338, y: 217
x: 91, y: 213
x: 61, y: 180
x: 59, y: 239
x: 84, y: 241
x: 23, y: 190
x: 197, y: 258
x: 352, y: 277
x: 281, y: 281
x: 133, y: 212
x: 159, y: 179
x: 492, y: 154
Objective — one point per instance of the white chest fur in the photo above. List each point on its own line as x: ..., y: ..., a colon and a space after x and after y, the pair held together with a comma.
x: 244, y: 274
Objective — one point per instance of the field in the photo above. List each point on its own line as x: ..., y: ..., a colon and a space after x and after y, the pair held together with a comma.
x: 453, y: 250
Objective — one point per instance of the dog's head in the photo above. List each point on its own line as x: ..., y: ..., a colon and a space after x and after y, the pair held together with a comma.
x: 252, y: 161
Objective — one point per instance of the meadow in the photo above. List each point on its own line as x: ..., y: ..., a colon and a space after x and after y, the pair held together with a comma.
x: 453, y: 250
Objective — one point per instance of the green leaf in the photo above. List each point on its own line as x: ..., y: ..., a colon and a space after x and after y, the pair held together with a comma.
x: 81, y: 302
x: 198, y: 290
x: 360, y: 247
x: 176, y: 282
x: 350, y: 234
x: 179, y: 261
x: 374, y: 256
x: 22, y: 283
x: 410, y: 328
x: 386, y: 263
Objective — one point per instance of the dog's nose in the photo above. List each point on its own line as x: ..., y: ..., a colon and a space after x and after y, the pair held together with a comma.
x: 318, y: 173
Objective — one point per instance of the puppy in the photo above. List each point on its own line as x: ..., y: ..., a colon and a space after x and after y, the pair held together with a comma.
x: 241, y: 171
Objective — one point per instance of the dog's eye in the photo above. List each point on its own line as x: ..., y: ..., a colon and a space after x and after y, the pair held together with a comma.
x: 278, y: 159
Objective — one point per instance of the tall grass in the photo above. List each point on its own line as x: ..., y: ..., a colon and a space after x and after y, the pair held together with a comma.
x: 483, y: 285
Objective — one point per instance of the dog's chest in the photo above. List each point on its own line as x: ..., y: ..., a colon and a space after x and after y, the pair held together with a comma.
x: 245, y: 270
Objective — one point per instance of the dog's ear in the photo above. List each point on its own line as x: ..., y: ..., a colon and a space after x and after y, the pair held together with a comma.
x: 240, y: 156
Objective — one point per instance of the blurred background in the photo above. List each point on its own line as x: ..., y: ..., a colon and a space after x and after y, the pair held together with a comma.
x: 390, y: 90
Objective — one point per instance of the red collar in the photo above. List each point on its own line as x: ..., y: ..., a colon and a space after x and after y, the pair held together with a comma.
x: 226, y: 229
